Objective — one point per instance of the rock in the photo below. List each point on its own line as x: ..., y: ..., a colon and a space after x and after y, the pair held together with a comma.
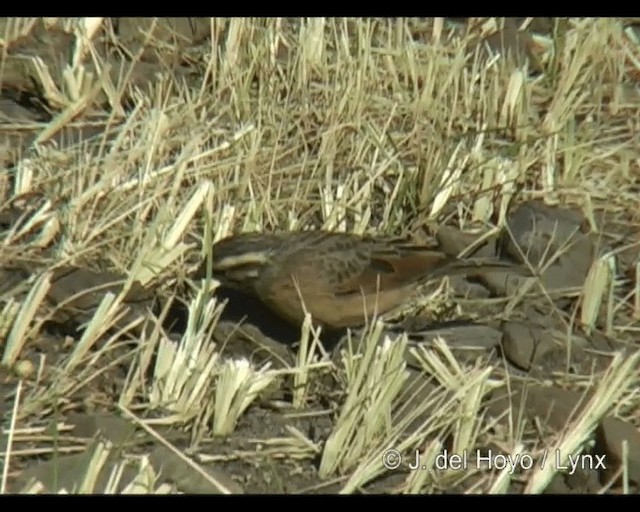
x: 552, y: 406
x: 114, y: 428
x: 174, y: 469
x: 76, y: 293
x: 519, y: 343
x: 69, y: 472
x: 530, y: 346
x: 460, y: 337
x: 610, y: 434
x: 540, y: 233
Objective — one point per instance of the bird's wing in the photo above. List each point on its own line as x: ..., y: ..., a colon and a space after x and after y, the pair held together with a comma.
x: 366, y: 269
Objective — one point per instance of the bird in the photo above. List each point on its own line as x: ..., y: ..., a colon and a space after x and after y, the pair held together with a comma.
x: 341, y: 279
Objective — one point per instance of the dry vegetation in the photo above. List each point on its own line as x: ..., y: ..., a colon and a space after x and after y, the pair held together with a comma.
x: 387, y: 126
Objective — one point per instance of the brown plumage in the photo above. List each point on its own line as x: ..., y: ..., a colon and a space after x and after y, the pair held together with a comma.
x: 342, y: 278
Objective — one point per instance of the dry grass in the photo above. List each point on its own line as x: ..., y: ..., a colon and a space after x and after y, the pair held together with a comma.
x: 376, y: 126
